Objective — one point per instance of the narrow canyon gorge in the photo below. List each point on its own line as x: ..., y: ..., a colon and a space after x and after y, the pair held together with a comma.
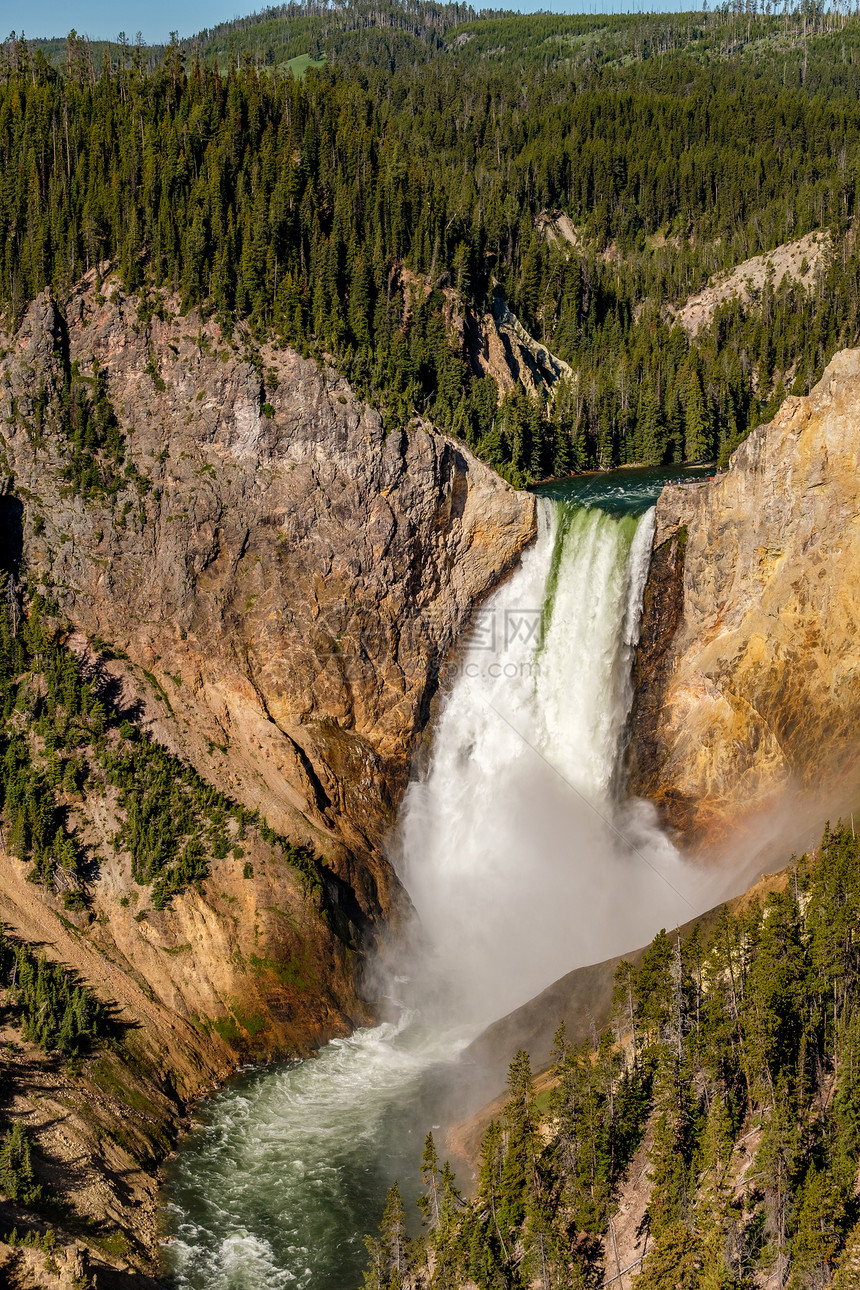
x: 275, y: 590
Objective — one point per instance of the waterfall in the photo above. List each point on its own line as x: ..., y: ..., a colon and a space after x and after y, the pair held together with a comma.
x: 523, y: 861
x: 517, y: 848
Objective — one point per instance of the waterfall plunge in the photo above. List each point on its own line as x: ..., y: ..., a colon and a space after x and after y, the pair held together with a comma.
x: 520, y: 856
x: 510, y: 849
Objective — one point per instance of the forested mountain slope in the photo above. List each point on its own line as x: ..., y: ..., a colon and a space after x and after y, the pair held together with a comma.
x: 720, y: 1105
x: 677, y: 146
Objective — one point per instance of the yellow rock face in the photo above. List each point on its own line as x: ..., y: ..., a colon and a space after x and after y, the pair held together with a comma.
x: 748, y: 675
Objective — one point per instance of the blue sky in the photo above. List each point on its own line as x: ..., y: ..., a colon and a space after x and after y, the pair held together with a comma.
x: 104, y: 19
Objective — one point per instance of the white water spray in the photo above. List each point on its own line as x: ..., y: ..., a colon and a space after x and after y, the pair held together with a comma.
x: 521, y: 858
x: 523, y: 861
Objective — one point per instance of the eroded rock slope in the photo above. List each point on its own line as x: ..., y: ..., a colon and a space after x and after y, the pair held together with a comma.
x: 259, y: 580
x: 290, y: 574
x: 748, y: 672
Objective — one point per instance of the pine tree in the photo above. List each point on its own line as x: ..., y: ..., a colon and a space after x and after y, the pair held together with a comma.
x: 671, y: 1154
x: 17, y: 1176
x: 445, y: 1238
x: 651, y: 438
x: 847, y: 1275
x: 717, y: 1220
x: 778, y: 1158
x: 674, y: 1262
x: 623, y: 1007
x: 389, y: 1251
x: 818, y: 1226
x: 696, y: 428
x: 430, y: 1202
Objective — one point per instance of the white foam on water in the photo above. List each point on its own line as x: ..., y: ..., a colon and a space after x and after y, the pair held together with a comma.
x: 265, y: 1195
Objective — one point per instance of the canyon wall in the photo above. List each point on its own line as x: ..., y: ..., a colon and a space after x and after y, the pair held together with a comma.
x: 268, y: 585
x: 290, y: 574
x: 748, y: 672
x: 280, y: 579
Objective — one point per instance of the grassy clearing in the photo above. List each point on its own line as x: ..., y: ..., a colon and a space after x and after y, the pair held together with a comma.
x: 299, y: 65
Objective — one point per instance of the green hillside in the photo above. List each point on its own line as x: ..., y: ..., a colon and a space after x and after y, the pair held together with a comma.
x: 356, y: 204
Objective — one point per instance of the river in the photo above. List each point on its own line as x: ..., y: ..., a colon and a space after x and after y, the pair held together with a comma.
x: 523, y: 860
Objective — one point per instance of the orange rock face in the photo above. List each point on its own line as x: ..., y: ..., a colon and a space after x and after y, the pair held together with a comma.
x: 748, y: 672
x: 280, y: 580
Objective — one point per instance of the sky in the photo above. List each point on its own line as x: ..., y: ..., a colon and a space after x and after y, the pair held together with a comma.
x: 155, y: 19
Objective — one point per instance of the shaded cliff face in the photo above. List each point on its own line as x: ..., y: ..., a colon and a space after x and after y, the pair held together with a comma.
x: 748, y: 670
x: 281, y: 582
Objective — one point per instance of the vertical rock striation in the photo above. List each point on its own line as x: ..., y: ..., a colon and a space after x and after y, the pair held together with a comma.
x: 748, y: 671
x: 279, y: 581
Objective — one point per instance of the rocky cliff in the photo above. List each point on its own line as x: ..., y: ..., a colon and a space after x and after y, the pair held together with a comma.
x: 498, y: 345
x: 748, y: 671
x: 257, y: 579
x: 492, y: 340
x: 288, y: 572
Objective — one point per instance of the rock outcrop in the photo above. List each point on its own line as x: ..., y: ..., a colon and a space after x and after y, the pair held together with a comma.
x: 290, y: 575
x: 748, y: 671
x: 269, y: 586
x: 498, y: 345
x: 492, y: 340
x: 802, y: 262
